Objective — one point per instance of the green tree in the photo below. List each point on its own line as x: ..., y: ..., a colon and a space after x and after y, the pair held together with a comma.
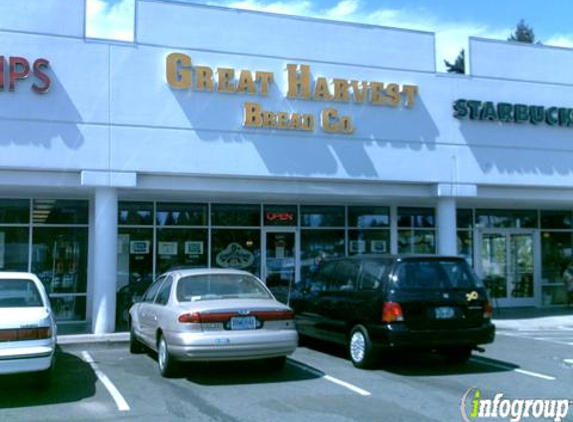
x: 459, y: 66
x: 523, y: 33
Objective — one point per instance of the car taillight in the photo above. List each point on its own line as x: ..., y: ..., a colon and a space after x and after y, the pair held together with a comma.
x: 487, y: 310
x: 193, y: 317
x: 274, y: 315
x: 392, y: 312
x: 24, y: 334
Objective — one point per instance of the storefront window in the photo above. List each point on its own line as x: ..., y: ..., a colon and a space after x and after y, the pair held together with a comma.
x: 52, y: 211
x: 321, y: 216
x: 415, y: 230
x: 280, y: 215
x: 416, y: 241
x: 464, y: 219
x: 135, y: 213
x: 59, y: 259
x: 181, y: 214
x: 236, y: 248
x: 235, y: 215
x: 317, y: 245
x: 506, y: 218
x: 557, y: 266
x: 14, y: 211
x: 134, y: 269
x: 465, y: 245
x: 556, y: 220
x: 14, y: 248
x: 185, y: 247
x: 368, y: 216
x: 416, y: 217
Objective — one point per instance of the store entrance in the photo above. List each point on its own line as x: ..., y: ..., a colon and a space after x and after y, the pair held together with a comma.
x: 508, y: 264
x: 279, y: 270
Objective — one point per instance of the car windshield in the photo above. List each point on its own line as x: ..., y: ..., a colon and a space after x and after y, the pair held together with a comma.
x: 19, y: 293
x: 219, y: 286
x: 436, y: 274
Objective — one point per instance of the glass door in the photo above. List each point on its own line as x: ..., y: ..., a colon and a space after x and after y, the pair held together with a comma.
x: 279, y: 261
x: 508, y: 266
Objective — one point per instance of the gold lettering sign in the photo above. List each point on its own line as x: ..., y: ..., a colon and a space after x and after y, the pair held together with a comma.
x: 180, y: 73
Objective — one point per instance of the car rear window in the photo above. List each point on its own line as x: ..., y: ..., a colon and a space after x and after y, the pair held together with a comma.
x: 436, y: 274
x: 219, y: 286
x: 19, y: 293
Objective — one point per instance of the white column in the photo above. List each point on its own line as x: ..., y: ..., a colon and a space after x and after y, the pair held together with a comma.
x: 104, y: 260
x: 447, y: 237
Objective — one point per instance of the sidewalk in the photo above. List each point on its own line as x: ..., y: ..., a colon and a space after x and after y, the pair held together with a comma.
x: 524, y: 318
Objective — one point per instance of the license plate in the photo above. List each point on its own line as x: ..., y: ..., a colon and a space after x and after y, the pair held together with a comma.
x: 444, y: 312
x: 243, y: 323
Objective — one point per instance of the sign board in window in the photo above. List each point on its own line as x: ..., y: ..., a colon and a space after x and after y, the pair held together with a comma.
x: 137, y: 247
x: 167, y: 248
x: 357, y: 246
x: 194, y: 248
x: 378, y: 246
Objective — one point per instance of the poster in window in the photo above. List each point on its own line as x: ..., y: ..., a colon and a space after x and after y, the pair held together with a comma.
x: 357, y: 246
x: 167, y: 248
x: 2, y: 248
x: 378, y: 246
x: 194, y: 248
x: 139, y: 247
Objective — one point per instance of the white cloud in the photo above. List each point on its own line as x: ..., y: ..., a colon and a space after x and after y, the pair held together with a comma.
x: 107, y: 21
x: 560, y: 40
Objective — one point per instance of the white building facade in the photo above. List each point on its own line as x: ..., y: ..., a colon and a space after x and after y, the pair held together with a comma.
x: 223, y: 137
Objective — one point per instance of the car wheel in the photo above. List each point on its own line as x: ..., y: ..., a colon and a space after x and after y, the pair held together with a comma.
x: 360, y: 347
x: 134, y: 344
x: 167, y: 364
x: 276, y: 364
x: 457, y: 355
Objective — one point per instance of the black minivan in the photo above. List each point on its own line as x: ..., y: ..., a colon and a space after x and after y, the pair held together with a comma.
x: 376, y: 303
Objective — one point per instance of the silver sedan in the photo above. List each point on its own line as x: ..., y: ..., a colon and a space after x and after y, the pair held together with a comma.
x: 27, y: 327
x: 211, y: 315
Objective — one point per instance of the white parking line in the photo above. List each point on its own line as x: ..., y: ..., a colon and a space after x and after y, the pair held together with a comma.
x: 509, y: 368
x: 329, y: 378
x: 113, y: 391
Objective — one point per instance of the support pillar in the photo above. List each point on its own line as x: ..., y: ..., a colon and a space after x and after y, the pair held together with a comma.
x: 104, y: 260
x: 447, y: 236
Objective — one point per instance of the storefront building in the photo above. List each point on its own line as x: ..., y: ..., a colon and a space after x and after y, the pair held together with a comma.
x: 270, y: 146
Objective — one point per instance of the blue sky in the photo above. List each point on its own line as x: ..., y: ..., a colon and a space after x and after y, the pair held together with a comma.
x: 453, y: 21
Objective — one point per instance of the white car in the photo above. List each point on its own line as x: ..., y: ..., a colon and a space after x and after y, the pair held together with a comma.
x: 211, y: 315
x: 27, y: 326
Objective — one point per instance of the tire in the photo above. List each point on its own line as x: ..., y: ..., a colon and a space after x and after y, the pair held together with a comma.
x: 135, y: 346
x: 457, y: 355
x: 166, y: 362
x: 276, y: 364
x: 44, y: 378
x: 360, y: 347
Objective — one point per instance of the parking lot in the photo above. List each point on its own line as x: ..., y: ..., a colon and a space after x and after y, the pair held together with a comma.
x: 103, y: 382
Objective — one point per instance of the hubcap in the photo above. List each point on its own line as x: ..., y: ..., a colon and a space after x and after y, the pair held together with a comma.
x: 162, y: 353
x: 357, y: 346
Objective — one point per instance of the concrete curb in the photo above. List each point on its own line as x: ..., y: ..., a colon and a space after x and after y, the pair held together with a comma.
x: 93, y: 338
x: 535, y: 323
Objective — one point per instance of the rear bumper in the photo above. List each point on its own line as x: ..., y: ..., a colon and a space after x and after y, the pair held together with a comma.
x: 213, y: 347
x: 26, y: 359
x: 399, y: 336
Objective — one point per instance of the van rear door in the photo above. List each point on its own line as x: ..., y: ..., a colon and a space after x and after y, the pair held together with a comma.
x: 438, y: 293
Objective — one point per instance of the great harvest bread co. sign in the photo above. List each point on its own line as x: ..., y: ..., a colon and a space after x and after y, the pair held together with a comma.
x: 182, y: 74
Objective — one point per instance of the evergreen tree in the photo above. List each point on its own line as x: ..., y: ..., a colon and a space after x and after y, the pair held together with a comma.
x: 459, y: 66
x: 523, y: 33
